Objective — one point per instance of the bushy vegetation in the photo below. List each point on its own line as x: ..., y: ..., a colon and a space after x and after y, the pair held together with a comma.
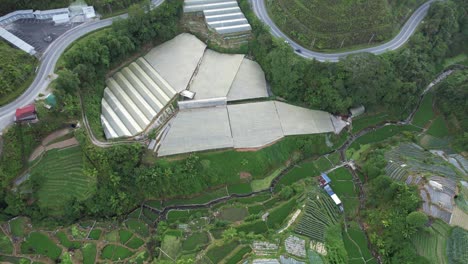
x: 8, y: 6
x: 16, y: 72
x: 390, y: 83
x: 452, y: 100
x: 331, y: 25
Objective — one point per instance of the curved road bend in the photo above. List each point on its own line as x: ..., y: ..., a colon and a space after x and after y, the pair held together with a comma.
x: 47, y: 65
x: 408, y: 29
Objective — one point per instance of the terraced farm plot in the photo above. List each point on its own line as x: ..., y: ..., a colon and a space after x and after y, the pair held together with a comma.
x: 299, y: 172
x: 61, y: 179
x: 320, y: 212
x: 171, y: 246
x: 364, y: 121
x: 6, y: 247
x: 114, y: 252
x: 324, y: 25
x: 39, y: 243
x: 18, y: 226
x: 89, y: 253
x: 217, y: 253
x: 355, y: 242
x: 233, y: 214
x: 432, y: 243
x: 195, y: 240
x: 457, y: 245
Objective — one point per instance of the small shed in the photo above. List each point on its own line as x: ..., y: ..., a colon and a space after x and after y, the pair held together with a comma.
x: 187, y: 94
x: 89, y: 12
x: 26, y: 113
x: 357, y: 111
x: 336, y: 199
x: 61, y: 19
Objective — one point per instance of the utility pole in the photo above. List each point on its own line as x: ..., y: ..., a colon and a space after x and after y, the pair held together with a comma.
x: 313, y: 43
x: 342, y: 42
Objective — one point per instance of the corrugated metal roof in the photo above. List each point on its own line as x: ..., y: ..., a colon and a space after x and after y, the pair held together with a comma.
x: 16, y: 41
x: 51, y: 11
x: 336, y: 199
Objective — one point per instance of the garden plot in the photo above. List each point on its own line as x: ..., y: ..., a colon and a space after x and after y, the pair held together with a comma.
x: 288, y: 260
x: 457, y: 245
x: 409, y: 158
x: 262, y: 248
x: 437, y: 197
x: 295, y: 246
x: 177, y: 59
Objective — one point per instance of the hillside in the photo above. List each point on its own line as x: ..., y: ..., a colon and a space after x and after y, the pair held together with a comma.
x: 324, y: 25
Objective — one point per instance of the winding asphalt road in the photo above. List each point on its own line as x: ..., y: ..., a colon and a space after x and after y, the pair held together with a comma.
x: 52, y: 54
x: 47, y: 65
x: 408, y: 29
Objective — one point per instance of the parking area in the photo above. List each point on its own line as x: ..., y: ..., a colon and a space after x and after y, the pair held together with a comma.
x: 38, y: 33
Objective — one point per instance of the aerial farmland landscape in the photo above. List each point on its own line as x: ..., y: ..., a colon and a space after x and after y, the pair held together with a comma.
x: 234, y: 131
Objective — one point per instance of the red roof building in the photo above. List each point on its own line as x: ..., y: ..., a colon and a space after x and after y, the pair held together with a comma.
x: 26, y: 113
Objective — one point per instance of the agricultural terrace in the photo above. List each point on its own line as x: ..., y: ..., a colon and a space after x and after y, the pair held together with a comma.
x: 61, y: 180
x: 327, y: 25
x: 86, y: 242
x: 432, y: 243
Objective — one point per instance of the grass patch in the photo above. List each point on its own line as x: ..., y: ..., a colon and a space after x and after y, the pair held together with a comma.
x: 137, y: 227
x: 355, y: 242
x: 112, y: 236
x: 6, y: 247
x: 63, y: 238
x: 195, y: 241
x: 382, y: 134
x: 322, y: 164
x: 14, y: 260
x: 61, y: 179
x: 95, y: 234
x: 299, y: 172
x: 217, y: 253
x: 39, y: 243
x: 438, y: 128
x: 265, y: 183
x: 233, y: 214
x: 425, y: 111
x: 201, y: 199
x: 135, y: 243
x: 279, y: 214
x: 253, y: 199
x: 240, y: 188
x: 114, y: 252
x: 171, y: 246
x: 239, y: 255
x: 255, y: 209
x: 124, y: 236
x: 89, y: 253
x: 256, y: 227
x: 17, y: 226
x: 364, y: 121
x: 178, y: 215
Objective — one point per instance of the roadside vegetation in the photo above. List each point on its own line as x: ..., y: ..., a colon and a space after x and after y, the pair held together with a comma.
x: 325, y: 25
x: 17, y: 72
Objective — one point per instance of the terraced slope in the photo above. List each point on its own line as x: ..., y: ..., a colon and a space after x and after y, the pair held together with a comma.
x: 60, y: 179
x: 322, y: 25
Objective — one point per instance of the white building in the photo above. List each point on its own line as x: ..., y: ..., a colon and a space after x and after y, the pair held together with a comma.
x: 49, y: 14
x: 89, y: 12
x: 61, y: 19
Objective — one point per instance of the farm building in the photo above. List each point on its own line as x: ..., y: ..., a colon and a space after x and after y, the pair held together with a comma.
x: 324, y: 179
x: 89, y: 12
x: 49, y: 14
x: 225, y: 17
x: 61, y: 19
x: 334, y: 197
x: 13, y: 16
x: 26, y: 113
x: 357, y: 111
